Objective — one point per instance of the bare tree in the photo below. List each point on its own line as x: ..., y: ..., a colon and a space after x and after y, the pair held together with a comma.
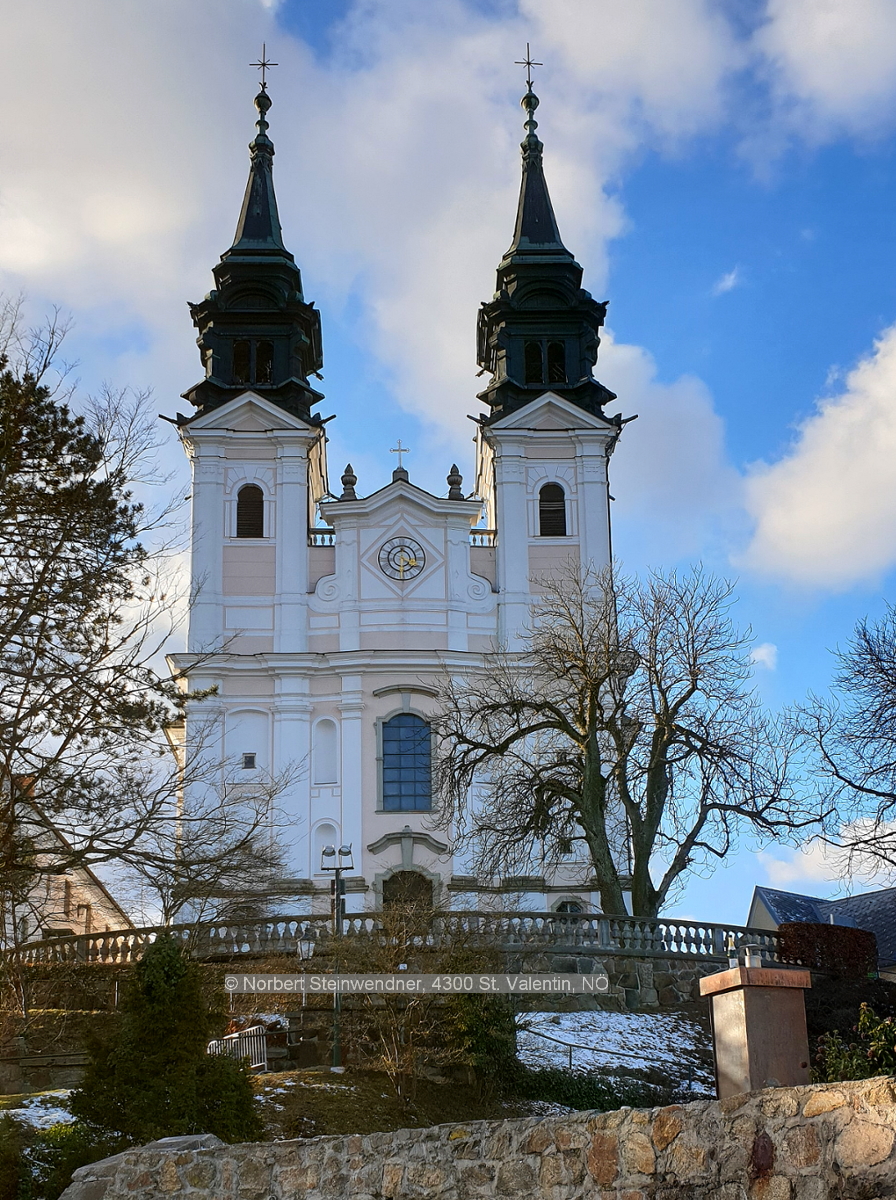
x: 89, y: 595
x: 625, y: 728
x: 851, y: 737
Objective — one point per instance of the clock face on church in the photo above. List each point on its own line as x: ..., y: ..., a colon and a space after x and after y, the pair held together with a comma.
x: 401, y: 558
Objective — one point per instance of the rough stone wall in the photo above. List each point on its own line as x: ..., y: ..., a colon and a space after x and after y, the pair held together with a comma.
x: 828, y: 1142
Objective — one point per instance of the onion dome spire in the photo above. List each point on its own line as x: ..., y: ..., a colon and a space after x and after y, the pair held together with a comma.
x: 256, y: 330
x: 540, y: 332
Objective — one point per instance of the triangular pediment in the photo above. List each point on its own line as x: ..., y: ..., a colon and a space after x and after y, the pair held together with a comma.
x: 248, y: 413
x: 400, y: 495
x: 551, y: 412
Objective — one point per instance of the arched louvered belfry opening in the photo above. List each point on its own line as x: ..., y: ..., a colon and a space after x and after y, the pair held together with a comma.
x: 534, y: 362
x: 242, y: 362
x: 250, y: 512
x: 264, y: 362
x: 552, y: 511
x: 556, y: 362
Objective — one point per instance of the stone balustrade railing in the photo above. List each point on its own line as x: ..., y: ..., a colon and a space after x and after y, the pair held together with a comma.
x: 512, y: 932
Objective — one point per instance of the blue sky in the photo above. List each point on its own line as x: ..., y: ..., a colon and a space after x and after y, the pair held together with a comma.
x: 724, y: 171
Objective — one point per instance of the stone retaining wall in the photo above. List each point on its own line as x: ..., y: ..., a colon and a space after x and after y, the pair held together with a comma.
x: 828, y: 1142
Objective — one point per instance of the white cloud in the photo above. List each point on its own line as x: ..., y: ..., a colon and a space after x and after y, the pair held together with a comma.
x: 816, y: 862
x: 681, y: 494
x: 726, y: 282
x: 397, y: 158
x: 765, y: 655
x: 825, y: 513
x: 812, y: 863
x: 831, y: 63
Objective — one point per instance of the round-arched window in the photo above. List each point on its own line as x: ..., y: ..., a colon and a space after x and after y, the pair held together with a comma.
x: 250, y: 512
x: 552, y: 511
x: 407, y: 764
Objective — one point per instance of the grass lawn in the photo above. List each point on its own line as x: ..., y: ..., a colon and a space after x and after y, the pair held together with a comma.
x: 315, y: 1102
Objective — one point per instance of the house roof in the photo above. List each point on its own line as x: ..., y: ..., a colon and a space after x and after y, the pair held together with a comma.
x: 873, y: 911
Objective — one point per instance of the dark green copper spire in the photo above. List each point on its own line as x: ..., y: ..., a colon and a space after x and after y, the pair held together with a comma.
x: 256, y: 331
x: 536, y: 226
x: 540, y: 332
x: 258, y: 229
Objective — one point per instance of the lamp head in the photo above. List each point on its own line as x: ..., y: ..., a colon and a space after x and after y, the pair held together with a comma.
x: 306, y: 943
x: 346, y: 859
x: 328, y: 858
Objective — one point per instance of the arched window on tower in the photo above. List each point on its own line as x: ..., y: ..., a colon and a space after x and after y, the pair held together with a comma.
x: 250, y: 512
x: 264, y: 362
x: 242, y: 364
x: 556, y: 362
x: 534, y: 363
x: 552, y: 511
x: 407, y: 764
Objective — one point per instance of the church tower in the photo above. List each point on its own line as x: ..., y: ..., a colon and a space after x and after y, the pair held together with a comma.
x: 322, y: 647
x: 544, y: 447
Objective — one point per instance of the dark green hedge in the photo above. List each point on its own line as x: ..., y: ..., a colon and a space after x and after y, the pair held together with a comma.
x: 836, y: 949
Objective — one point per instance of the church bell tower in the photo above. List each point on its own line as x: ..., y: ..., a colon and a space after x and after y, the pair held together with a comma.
x: 256, y: 329
x: 544, y: 447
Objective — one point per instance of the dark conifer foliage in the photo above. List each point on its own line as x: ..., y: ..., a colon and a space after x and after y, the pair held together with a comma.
x: 89, y: 596
x: 81, y: 704
x: 153, y: 1077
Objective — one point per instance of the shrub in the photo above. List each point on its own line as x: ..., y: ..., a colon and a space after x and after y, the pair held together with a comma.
x: 482, y: 1031
x: 871, y: 1051
x: 153, y: 1078
x: 584, y: 1089
x: 13, y: 1167
x: 837, y: 949
x: 55, y: 1154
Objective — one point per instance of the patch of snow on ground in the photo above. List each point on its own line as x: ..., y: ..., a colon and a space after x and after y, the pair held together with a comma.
x: 42, y: 1111
x: 609, y: 1042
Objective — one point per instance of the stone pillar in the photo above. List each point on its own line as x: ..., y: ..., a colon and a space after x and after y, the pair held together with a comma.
x: 758, y: 1028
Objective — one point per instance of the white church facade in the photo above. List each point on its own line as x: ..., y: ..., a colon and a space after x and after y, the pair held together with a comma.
x: 336, y: 614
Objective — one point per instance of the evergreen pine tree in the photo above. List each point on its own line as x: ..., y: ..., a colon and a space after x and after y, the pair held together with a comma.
x: 153, y: 1077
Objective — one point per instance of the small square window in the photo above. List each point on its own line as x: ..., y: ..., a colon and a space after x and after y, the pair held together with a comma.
x: 248, y: 762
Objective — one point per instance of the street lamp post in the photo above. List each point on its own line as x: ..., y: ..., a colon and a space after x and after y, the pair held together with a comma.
x: 306, y: 945
x: 337, y: 862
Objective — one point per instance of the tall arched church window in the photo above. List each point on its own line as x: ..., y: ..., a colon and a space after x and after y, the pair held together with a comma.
x: 552, y: 511
x: 407, y: 764
x: 556, y: 362
x: 534, y: 362
x: 250, y: 512
x: 323, y: 752
x: 264, y: 362
x: 242, y: 362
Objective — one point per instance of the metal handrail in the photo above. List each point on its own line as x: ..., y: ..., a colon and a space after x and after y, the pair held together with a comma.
x: 251, y: 1043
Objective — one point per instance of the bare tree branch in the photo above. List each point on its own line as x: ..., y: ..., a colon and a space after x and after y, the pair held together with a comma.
x: 626, y: 727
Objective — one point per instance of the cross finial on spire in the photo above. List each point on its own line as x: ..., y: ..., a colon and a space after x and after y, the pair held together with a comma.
x: 528, y: 63
x: 264, y: 62
x: 399, y: 450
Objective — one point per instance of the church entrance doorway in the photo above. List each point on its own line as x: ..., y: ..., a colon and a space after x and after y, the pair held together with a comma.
x: 407, y: 888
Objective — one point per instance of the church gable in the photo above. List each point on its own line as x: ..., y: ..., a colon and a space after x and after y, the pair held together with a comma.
x: 552, y: 412
x: 248, y: 413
